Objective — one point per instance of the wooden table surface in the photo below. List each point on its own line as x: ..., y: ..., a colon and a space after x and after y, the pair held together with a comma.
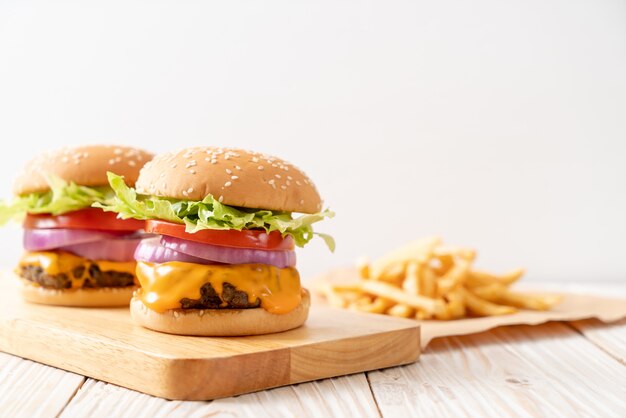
x: 557, y: 369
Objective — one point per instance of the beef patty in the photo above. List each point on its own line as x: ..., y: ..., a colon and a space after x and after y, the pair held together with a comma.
x: 93, y: 278
x: 231, y: 298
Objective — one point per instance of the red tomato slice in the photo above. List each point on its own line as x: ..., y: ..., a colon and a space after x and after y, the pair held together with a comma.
x: 89, y: 218
x: 248, y: 238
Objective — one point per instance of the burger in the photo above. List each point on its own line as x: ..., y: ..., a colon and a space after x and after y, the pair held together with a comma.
x: 76, y: 255
x: 222, y: 262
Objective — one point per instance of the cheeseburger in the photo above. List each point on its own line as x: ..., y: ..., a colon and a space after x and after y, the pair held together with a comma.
x: 226, y: 223
x: 76, y: 255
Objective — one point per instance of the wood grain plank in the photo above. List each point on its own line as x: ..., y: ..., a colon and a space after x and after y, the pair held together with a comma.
x: 29, y: 389
x: 609, y: 337
x: 4, y: 357
x: 346, y: 396
x: 524, y: 371
x: 342, y: 396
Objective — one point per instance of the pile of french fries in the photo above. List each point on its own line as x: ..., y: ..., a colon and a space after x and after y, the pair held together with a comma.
x: 428, y: 280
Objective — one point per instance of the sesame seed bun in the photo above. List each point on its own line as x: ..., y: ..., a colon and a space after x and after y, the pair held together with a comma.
x: 89, y: 298
x: 84, y: 165
x: 219, y: 322
x: 233, y: 176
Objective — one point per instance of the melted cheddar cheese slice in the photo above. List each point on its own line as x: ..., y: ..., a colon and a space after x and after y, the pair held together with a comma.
x: 58, y: 262
x: 164, y: 285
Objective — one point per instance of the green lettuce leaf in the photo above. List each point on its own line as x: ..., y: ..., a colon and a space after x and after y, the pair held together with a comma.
x: 61, y: 198
x: 211, y: 214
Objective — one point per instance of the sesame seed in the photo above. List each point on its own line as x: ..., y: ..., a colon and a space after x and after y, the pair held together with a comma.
x: 234, y: 177
x: 227, y: 157
x: 118, y: 159
x: 255, y: 160
x: 185, y: 193
x: 191, y: 163
x: 174, y: 165
x: 237, y: 167
x: 220, y: 199
x: 228, y: 184
x: 288, y: 183
x: 132, y: 163
x: 283, y: 187
x: 229, y: 171
x: 289, y: 178
x: 190, y: 190
x: 111, y: 161
x: 272, y: 183
x: 302, y: 202
x: 192, y: 171
x: 207, y: 159
x: 261, y: 168
x: 277, y: 176
x: 298, y: 183
x: 117, y: 151
x: 214, y: 161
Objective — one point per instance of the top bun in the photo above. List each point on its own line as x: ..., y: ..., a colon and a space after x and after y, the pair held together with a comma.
x: 235, y: 177
x: 85, y: 165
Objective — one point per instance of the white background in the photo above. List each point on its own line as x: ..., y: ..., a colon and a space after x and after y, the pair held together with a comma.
x: 495, y: 124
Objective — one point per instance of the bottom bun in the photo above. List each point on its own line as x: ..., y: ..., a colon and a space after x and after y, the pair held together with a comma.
x: 220, y: 322
x: 94, y: 297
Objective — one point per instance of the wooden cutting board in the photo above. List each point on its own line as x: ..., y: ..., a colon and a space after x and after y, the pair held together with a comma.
x: 105, y: 345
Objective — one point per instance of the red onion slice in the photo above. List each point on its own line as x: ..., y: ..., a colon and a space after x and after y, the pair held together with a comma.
x: 48, y: 239
x: 116, y: 249
x: 230, y: 255
x: 151, y: 251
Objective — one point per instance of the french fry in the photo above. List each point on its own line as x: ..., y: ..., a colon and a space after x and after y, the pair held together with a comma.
x: 427, y: 280
x: 365, y: 300
x: 363, y: 267
x: 483, y: 307
x: 379, y: 305
x: 442, y: 263
x: 421, y: 315
x: 453, y: 278
x: 391, y: 267
x: 456, y: 303
x: 397, y: 295
x: 411, y: 282
x: 465, y: 253
x: 529, y: 301
x: 491, y: 292
x: 402, y: 311
x: 353, y: 287
x: 482, y: 278
x: 444, y: 315
x: 428, y: 284
x: 334, y: 297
